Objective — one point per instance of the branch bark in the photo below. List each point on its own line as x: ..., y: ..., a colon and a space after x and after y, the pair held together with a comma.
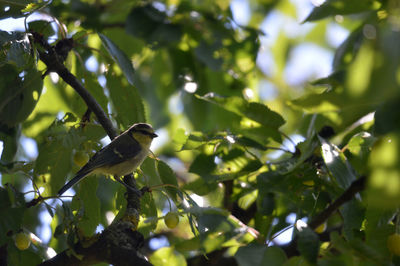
x: 117, y: 245
x: 54, y: 63
x: 356, y: 187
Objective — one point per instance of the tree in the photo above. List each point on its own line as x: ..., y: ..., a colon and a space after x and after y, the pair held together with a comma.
x: 228, y: 164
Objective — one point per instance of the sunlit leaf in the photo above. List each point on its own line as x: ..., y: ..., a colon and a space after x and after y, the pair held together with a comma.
x: 341, y: 7
x: 126, y: 100
x: 384, y: 179
x: 167, y: 256
x: 337, y: 164
x: 91, y: 210
x: 168, y: 177
x: 148, y: 222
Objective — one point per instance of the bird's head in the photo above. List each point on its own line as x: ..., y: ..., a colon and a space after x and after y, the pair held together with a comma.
x: 143, y: 133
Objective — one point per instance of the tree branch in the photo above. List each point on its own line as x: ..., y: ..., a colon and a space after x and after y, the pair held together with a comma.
x: 118, y: 244
x: 348, y: 194
x: 355, y: 187
x: 54, y: 63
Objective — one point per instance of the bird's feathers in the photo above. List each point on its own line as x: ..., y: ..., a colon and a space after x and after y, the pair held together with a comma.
x: 72, y: 182
x: 122, y: 156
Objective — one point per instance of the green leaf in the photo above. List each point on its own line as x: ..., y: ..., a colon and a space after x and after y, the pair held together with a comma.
x: 387, y: 117
x: 150, y: 175
x: 203, y: 165
x: 252, y: 110
x: 41, y: 26
x: 16, y: 50
x: 192, y: 244
x: 93, y: 86
x: 337, y: 164
x: 90, y: 204
x: 119, y: 57
x: 353, y: 215
x: 200, y: 187
x: 206, y: 54
x: 14, y: 8
x: 348, y: 50
x: 168, y: 176
x: 179, y: 139
x: 142, y: 21
x: 361, y: 143
x: 341, y: 7
x: 308, y: 244
x: 384, y: 168
x: 167, y: 256
x: 150, y: 24
x: 266, y: 203
x: 271, y: 181
x: 274, y: 256
x: 10, y: 138
x: 53, y: 163
x: 27, y: 257
x: 194, y: 141
x: 367, y: 252
x: 19, y: 93
x: 250, y: 143
x: 211, y: 219
x: 149, y: 220
x: 251, y: 255
x: 13, y: 220
x: 126, y: 100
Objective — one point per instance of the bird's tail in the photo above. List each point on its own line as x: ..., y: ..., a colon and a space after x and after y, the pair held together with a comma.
x: 72, y: 182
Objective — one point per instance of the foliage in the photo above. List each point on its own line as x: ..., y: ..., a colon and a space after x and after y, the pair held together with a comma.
x: 226, y: 161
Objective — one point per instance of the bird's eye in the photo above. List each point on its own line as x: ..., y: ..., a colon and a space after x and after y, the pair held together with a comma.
x: 144, y: 132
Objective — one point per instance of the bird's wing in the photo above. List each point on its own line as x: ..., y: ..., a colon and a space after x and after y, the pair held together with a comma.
x: 119, y: 150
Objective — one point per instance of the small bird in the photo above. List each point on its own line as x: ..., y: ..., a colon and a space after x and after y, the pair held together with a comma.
x: 122, y: 156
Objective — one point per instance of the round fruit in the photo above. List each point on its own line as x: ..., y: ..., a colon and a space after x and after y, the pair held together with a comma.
x: 393, y: 244
x: 171, y: 220
x: 81, y: 158
x: 22, y: 241
x: 320, y: 229
x: 309, y: 183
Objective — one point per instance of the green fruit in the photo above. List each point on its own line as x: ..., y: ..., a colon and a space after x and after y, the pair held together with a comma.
x: 171, y: 220
x: 393, y: 244
x: 309, y: 183
x: 81, y: 158
x: 22, y: 241
x: 320, y: 229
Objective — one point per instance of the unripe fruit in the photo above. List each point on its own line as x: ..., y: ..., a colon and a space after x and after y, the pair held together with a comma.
x: 81, y: 158
x: 22, y: 241
x: 393, y: 244
x: 320, y: 229
x: 171, y: 220
x: 309, y: 183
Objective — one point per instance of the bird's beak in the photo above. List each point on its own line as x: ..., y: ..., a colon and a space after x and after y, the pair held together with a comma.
x: 154, y: 135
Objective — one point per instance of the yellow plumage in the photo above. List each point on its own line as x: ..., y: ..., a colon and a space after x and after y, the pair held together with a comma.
x: 122, y: 156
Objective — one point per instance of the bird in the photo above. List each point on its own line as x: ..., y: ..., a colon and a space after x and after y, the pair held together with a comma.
x: 123, y: 155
